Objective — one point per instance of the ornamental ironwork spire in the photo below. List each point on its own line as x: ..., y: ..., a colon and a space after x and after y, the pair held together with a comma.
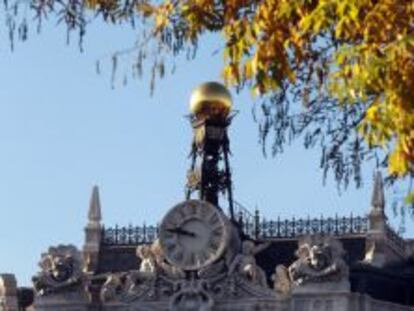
x: 210, y: 175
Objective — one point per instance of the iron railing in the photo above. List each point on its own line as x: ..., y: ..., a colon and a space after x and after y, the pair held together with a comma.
x: 255, y: 228
x: 131, y: 235
x: 395, y: 240
x: 285, y: 229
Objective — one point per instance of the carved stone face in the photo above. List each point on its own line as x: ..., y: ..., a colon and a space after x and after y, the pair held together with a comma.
x: 61, y: 268
x: 319, y: 257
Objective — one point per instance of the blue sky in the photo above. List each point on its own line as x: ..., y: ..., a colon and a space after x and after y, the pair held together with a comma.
x: 64, y: 129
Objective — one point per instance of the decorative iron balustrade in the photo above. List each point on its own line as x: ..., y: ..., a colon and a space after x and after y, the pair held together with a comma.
x: 131, y: 235
x: 243, y: 213
x: 284, y: 229
x: 395, y: 239
x: 256, y: 229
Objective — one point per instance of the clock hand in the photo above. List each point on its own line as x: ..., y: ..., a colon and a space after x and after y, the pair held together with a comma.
x: 179, y: 230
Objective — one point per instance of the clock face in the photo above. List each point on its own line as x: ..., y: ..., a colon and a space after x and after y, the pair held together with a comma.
x: 193, y: 234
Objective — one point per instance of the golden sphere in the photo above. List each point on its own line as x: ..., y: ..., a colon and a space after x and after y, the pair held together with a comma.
x: 210, y: 100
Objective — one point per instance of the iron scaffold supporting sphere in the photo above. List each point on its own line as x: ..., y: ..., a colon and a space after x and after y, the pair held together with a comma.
x: 210, y: 175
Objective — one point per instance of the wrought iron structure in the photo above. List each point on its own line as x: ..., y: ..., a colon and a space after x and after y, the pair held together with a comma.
x: 254, y: 228
x: 210, y: 170
x: 131, y: 235
x: 210, y: 117
x: 395, y: 240
x: 285, y: 229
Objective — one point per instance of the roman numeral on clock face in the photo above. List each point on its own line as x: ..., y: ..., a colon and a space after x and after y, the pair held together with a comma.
x: 213, y: 219
x: 203, y: 256
x: 181, y: 213
x: 189, y: 259
x: 204, y: 213
x: 217, y: 232
x: 213, y: 245
x: 178, y: 255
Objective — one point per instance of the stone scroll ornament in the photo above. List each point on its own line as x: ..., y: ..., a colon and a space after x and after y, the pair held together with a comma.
x: 60, y: 268
x: 320, y: 259
x: 151, y: 281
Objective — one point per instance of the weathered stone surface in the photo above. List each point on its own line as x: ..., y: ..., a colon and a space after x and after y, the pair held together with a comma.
x: 319, y: 268
x: 158, y: 285
x: 8, y: 293
x: 61, y: 267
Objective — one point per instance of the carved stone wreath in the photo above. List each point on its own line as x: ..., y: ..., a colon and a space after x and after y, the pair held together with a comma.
x: 320, y: 259
x: 60, y: 267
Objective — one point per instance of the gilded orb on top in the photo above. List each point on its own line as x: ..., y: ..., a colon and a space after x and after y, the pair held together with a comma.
x: 210, y: 100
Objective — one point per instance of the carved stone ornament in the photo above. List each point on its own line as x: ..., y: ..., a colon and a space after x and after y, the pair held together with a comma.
x: 157, y: 281
x: 60, y: 268
x: 197, y: 263
x: 147, y: 265
x: 282, y: 282
x: 142, y: 284
x: 320, y: 259
x: 192, y: 296
x: 245, y: 263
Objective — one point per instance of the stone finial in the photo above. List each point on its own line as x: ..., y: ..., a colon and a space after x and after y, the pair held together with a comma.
x: 377, y: 217
x: 93, y: 233
x: 376, y: 245
x: 378, y: 198
x: 94, y: 213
